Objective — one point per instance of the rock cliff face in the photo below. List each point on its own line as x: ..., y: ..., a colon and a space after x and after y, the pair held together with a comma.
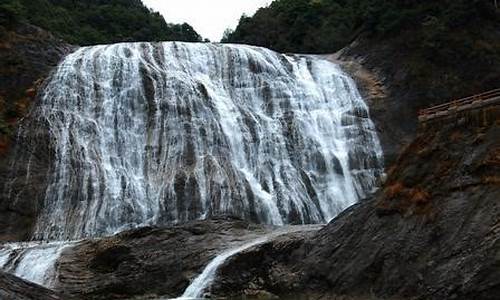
x: 12, y: 287
x: 272, y: 138
x: 398, y: 78
x: 431, y: 233
x: 27, y: 55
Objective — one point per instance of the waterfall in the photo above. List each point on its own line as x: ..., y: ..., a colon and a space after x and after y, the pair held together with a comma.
x: 202, y: 282
x: 199, y: 285
x: 162, y: 133
x: 32, y: 261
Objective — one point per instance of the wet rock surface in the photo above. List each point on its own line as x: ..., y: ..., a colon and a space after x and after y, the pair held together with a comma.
x: 148, y: 262
x: 91, y: 157
x: 27, y: 55
x: 14, y: 288
x: 432, y: 232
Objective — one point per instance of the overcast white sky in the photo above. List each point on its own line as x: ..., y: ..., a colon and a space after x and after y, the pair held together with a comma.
x: 208, y: 17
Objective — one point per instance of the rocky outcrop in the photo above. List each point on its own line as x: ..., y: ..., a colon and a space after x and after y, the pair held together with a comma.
x: 432, y: 232
x: 398, y: 76
x: 154, y: 262
x: 27, y: 55
x: 148, y: 262
x: 12, y: 287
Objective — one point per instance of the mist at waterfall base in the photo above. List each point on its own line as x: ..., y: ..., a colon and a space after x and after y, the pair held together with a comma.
x: 163, y: 133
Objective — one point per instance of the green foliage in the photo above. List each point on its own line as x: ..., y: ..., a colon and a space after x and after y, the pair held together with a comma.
x: 87, y: 22
x: 430, y: 50
x: 11, y: 11
x: 324, y: 26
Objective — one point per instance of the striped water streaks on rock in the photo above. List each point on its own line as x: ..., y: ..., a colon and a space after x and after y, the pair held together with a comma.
x: 158, y: 133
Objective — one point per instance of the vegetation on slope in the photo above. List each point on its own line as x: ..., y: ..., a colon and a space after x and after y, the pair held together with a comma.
x: 87, y: 22
x: 325, y: 26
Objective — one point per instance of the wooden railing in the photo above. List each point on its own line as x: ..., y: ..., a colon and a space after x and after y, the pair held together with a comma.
x: 459, y: 105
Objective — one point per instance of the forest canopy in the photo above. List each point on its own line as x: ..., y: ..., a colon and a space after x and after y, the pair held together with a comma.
x: 88, y: 22
x: 324, y: 26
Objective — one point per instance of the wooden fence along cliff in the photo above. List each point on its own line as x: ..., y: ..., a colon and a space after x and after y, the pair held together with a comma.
x: 472, y: 102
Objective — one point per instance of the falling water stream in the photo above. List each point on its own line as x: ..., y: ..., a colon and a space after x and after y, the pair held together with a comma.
x: 200, y: 284
x: 32, y: 261
x: 163, y: 133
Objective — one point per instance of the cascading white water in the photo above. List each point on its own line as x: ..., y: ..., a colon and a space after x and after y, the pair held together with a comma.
x: 199, y: 285
x: 32, y: 261
x: 156, y: 133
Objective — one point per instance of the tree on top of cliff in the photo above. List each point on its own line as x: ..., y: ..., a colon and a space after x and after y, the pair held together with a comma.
x: 88, y: 22
x: 11, y: 11
x: 325, y: 26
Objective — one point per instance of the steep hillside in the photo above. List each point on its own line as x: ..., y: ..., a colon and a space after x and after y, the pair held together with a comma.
x: 27, y: 54
x: 326, y: 26
x: 89, y: 22
x: 419, y: 52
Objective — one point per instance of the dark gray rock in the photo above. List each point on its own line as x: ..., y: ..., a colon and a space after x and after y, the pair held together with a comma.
x: 27, y: 56
x: 398, y: 78
x: 148, y: 262
x: 14, y: 288
x: 433, y: 232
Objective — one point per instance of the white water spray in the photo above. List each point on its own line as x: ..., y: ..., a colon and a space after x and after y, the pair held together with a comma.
x: 162, y: 133
x: 203, y: 281
x: 32, y: 261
